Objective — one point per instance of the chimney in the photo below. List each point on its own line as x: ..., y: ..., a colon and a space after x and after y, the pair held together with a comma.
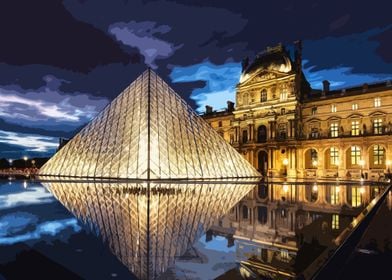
x: 298, y: 67
x: 208, y: 109
x: 325, y: 87
x: 245, y: 64
x: 230, y: 106
x: 365, y: 87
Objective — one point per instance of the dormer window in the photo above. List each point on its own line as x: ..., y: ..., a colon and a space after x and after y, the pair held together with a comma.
x: 283, y: 96
x: 333, y: 108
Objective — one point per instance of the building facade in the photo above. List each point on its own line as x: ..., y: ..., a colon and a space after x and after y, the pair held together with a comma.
x: 285, y: 128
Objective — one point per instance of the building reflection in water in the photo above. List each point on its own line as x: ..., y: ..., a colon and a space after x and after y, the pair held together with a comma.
x: 285, y: 230
x: 147, y: 224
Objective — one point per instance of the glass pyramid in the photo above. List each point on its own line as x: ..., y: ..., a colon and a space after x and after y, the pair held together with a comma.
x: 146, y: 225
x: 148, y: 132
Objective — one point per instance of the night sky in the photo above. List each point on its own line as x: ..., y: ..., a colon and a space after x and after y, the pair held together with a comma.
x: 61, y: 62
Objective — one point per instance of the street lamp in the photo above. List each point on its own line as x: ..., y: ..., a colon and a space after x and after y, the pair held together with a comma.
x: 362, y: 164
x: 25, y: 158
x: 285, y: 163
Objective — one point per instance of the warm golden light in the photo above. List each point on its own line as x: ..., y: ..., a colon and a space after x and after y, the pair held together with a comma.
x: 362, y: 163
x: 25, y: 158
x: 315, y: 163
x: 159, y: 140
x: 362, y: 190
x: 315, y: 188
x: 285, y: 188
x: 285, y: 161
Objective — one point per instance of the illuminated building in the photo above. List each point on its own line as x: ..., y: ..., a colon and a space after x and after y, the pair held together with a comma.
x: 279, y: 119
x: 148, y: 175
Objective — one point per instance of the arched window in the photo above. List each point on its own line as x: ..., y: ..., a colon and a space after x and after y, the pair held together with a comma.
x: 262, y: 191
x: 263, y: 95
x: 355, y: 155
x: 261, y: 134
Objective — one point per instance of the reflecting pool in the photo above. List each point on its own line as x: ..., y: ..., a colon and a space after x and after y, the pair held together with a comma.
x: 212, y: 230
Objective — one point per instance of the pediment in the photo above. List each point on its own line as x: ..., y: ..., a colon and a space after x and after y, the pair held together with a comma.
x: 261, y: 76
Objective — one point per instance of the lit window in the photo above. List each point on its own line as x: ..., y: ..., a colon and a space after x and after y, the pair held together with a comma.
x: 355, y: 128
x: 355, y: 155
x: 335, y: 221
x: 355, y: 197
x: 354, y: 106
x: 335, y: 195
x: 263, y: 95
x: 334, y: 156
x: 314, y: 133
x: 377, y: 126
x: 284, y: 255
x: 334, y: 129
x: 377, y: 102
x: 333, y: 108
x: 378, y: 155
x: 283, y: 96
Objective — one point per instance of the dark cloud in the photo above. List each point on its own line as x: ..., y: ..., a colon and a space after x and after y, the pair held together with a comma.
x: 95, y: 48
x: 43, y: 32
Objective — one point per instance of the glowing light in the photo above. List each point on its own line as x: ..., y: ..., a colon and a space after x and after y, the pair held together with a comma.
x: 337, y: 189
x: 25, y: 158
x: 315, y: 163
x: 285, y: 188
x: 362, y: 163
x: 388, y: 162
x: 25, y: 184
x: 315, y: 188
x: 285, y: 161
x: 362, y: 190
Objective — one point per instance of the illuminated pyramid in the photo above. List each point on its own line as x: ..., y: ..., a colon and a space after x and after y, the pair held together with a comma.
x: 148, y: 132
x: 147, y: 225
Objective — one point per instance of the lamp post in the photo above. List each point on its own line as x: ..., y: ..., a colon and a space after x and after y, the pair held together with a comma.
x: 362, y: 164
x: 25, y: 158
x: 285, y: 163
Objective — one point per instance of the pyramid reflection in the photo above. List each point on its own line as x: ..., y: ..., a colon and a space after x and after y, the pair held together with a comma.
x: 147, y: 224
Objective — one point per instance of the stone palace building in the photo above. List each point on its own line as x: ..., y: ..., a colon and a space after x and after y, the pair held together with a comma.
x: 285, y: 128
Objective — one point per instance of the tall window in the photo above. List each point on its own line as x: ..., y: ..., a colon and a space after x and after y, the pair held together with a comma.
x: 335, y: 221
x: 335, y: 195
x: 355, y: 197
x: 314, y: 110
x: 283, y: 95
x: 263, y: 95
x: 314, y: 132
x: 334, y: 129
x: 244, y: 136
x: 220, y: 123
x: 355, y: 155
x: 377, y: 102
x: 354, y: 106
x: 333, y: 108
x: 334, y: 156
x: 378, y: 155
x: 377, y: 126
x: 244, y: 212
x: 355, y: 128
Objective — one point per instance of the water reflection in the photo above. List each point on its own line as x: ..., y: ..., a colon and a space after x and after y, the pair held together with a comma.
x: 286, y: 230
x: 147, y: 224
